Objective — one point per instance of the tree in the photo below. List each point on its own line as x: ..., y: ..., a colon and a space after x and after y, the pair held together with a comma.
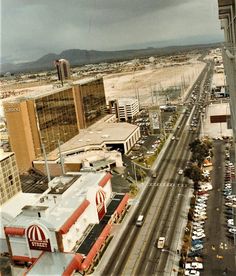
x: 199, y: 151
x: 133, y: 189
x: 194, y: 173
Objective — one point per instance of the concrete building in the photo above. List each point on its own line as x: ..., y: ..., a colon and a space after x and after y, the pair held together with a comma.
x: 99, y: 142
x: 125, y: 108
x: 227, y: 16
x: 9, y: 177
x: 47, y: 116
x: 74, y: 216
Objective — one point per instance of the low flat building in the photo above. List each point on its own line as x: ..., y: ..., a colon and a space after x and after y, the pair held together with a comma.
x: 218, y: 121
x: 99, y: 138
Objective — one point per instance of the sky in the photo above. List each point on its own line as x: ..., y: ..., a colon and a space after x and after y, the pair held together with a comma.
x: 32, y: 28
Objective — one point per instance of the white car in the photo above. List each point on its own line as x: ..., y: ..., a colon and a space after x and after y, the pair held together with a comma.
x: 202, y: 208
x: 231, y: 197
x: 180, y: 172
x: 198, y: 237
x: 192, y: 272
x: 198, y: 232
x: 230, y: 222
x: 198, y: 213
x: 194, y: 265
x: 198, y: 228
x: 232, y: 231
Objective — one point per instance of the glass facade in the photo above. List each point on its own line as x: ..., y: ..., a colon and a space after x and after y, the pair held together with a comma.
x: 9, y: 179
x: 93, y: 101
x: 56, y: 118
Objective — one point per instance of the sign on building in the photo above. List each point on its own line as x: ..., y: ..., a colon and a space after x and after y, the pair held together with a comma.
x: 38, y: 238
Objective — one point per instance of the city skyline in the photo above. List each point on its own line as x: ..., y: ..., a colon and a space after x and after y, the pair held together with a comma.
x: 31, y: 29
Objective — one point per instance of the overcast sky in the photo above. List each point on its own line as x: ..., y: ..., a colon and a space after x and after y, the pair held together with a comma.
x: 32, y: 28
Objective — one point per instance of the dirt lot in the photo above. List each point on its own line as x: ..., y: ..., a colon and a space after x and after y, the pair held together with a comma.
x: 150, y: 79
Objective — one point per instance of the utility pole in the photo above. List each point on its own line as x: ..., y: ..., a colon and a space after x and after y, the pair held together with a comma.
x: 61, y: 157
x: 46, y: 163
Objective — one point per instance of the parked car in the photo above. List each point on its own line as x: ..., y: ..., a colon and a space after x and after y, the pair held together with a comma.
x: 198, y: 236
x: 194, y: 265
x: 192, y: 272
x: 232, y: 231
x: 195, y: 242
x: 195, y: 254
x: 230, y: 222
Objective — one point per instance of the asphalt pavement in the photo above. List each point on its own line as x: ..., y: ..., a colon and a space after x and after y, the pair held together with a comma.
x: 218, y: 250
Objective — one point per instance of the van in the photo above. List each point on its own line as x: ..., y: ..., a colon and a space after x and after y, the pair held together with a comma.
x: 139, y: 221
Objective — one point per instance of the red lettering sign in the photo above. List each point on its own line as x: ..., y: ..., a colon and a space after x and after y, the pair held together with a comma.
x: 37, y: 239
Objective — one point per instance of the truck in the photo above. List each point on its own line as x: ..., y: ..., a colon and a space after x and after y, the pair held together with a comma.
x: 160, y: 242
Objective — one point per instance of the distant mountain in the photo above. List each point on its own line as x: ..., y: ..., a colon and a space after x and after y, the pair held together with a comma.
x: 80, y: 57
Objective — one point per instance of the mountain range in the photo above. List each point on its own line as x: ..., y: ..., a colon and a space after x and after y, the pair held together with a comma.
x: 80, y: 57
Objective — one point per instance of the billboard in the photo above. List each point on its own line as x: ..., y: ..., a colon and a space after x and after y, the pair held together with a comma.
x: 155, y: 120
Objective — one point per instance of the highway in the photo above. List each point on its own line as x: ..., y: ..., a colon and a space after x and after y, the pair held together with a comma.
x: 161, y: 203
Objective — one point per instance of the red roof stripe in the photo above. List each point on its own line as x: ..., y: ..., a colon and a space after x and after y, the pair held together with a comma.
x: 97, y: 245
x: 23, y: 259
x: 15, y: 231
x: 73, y: 218
x: 73, y: 265
x: 122, y: 204
x: 105, y: 179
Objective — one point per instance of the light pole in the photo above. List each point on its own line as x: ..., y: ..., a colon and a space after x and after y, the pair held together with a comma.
x: 46, y: 162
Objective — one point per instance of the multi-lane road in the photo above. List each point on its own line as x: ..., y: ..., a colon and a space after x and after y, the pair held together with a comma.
x: 162, y: 202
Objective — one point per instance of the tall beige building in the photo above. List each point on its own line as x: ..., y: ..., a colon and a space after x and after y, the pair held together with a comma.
x: 9, y: 176
x: 45, y: 118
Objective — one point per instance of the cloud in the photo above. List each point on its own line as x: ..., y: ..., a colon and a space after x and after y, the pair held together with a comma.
x: 31, y: 28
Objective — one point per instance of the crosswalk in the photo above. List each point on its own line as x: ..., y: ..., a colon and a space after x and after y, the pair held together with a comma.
x: 169, y: 184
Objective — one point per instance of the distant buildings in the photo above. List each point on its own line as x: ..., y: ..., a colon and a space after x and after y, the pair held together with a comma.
x: 9, y: 176
x: 45, y: 118
x: 124, y: 108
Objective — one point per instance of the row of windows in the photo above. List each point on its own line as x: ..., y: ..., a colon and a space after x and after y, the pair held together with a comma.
x: 57, y: 118
x: 94, y: 102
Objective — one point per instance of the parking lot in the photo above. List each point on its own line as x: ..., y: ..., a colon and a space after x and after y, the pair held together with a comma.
x: 219, y: 249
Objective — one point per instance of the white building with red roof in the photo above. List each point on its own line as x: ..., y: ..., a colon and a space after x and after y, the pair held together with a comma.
x: 61, y: 221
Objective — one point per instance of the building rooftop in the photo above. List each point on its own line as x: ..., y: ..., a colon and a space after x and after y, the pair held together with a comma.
x: 9, y: 210
x: 4, y: 155
x: 218, y: 79
x: 124, y: 101
x: 51, y: 264
x: 45, y: 90
x: 96, y: 135
x: 56, y: 208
